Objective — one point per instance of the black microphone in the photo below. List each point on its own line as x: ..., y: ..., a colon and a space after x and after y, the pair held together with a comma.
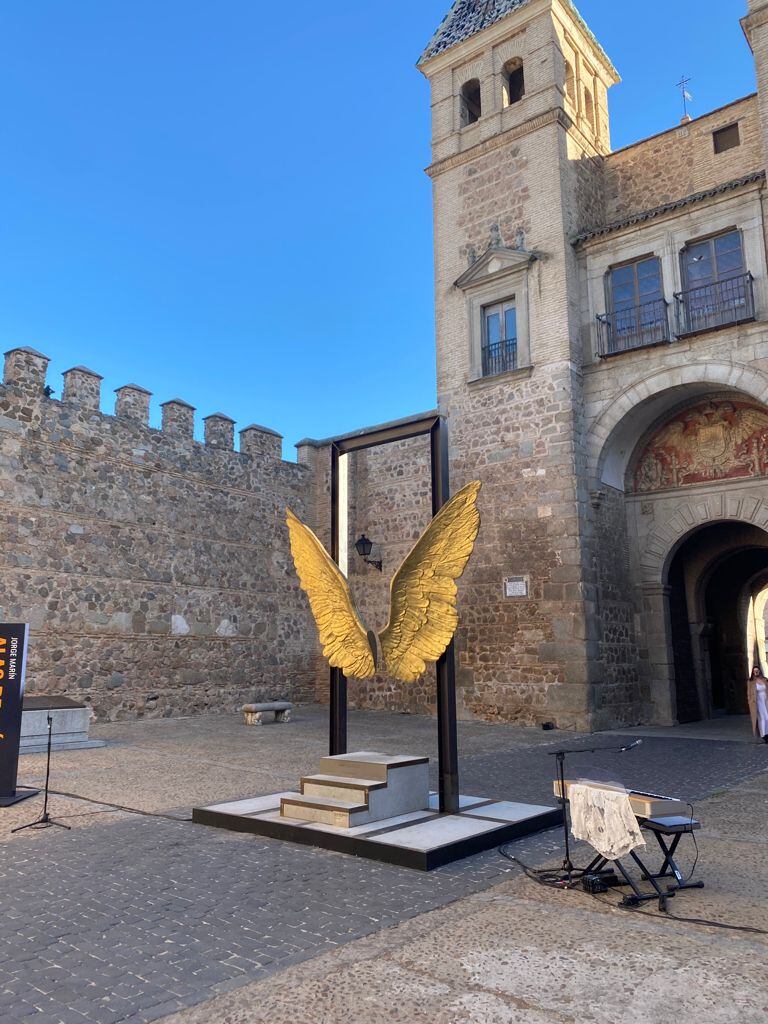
x: 629, y: 746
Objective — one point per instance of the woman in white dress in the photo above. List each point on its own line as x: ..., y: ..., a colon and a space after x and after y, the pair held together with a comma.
x: 757, y: 697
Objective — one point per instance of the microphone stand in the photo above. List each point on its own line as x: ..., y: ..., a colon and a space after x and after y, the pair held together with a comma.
x: 45, y: 820
x: 560, y: 756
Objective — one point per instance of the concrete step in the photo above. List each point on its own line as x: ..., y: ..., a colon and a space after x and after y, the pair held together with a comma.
x: 341, y: 813
x: 337, y: 787
x: 367, y: 764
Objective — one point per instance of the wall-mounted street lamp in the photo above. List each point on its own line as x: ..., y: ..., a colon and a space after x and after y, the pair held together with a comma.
x: 363, y: 546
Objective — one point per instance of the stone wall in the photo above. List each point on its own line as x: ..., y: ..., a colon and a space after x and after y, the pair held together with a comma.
x: 621, y: 698
x: 681, y: 161
x: 390, y: 502
x: 154, y: 570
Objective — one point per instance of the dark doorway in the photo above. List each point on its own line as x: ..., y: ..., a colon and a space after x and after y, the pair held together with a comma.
x: 708, y: 580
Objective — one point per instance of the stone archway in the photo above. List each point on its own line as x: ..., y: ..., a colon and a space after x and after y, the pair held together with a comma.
x: 701, y: 460
x: 614, y: 434
x: 709, y: 581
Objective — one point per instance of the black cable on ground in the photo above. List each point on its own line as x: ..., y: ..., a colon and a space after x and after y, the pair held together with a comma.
x: 110, y: 805
x: 556, y: 878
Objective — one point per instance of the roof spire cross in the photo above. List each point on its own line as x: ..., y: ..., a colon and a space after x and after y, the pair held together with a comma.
x: 682, y: 85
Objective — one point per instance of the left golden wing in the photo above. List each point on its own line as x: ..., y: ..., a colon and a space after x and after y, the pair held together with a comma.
x: 422, y: 612
x: 342, y: 634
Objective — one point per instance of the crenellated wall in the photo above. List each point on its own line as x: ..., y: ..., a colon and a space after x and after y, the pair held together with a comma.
x: 154, y: 570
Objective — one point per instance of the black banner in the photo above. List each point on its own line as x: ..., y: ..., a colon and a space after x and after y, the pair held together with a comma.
x: 13, y: 657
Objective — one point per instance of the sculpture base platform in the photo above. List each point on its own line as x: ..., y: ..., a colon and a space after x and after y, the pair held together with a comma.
x: 420, y: 839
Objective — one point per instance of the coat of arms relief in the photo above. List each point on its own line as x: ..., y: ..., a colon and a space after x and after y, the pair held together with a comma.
x: 717, y: 440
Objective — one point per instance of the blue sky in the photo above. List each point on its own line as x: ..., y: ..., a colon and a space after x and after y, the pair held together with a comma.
x: 224, y: 200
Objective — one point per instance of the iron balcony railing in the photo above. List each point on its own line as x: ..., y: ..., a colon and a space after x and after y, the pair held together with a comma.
x: 731, y: 301
x: 635, y: 327
x: 499, y: 357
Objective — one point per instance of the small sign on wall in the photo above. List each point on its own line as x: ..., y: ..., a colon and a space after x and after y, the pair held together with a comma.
x: 516, y: 586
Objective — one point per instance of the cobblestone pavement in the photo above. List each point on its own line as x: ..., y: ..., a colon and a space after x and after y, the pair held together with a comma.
x: 136, y: 917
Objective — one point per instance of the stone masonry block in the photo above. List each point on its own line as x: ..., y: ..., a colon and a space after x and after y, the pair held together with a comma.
x: 219, y: 431
x: 82, y: 386
x: 25, y: 368
x: 256, y: 440
x: 132, y: 402
x: 178, y: 418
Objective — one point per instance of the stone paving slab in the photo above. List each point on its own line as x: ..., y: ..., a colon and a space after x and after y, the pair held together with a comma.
x: 136, y: 917
x: 520, y: 954
x: 128, y: 921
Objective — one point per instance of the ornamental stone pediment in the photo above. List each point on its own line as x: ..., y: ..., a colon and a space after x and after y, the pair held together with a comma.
x: 496, y: 262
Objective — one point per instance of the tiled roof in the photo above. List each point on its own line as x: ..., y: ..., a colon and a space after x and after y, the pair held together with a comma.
x: 658, y: 211
x: 464, y: 19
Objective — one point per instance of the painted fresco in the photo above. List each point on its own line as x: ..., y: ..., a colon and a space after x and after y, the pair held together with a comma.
x: 712, y: 441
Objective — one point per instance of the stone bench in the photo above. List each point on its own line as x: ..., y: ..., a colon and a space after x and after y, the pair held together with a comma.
x: 253, y: 712
x: 69, y: 730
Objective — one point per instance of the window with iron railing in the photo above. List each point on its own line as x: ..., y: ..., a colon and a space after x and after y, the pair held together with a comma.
x: 717, y: 286
x: 499, y: 347
x: 637, y: 313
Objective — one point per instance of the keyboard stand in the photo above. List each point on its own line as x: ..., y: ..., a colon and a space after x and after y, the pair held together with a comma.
x: 599, y: 865
x: 664, y: 828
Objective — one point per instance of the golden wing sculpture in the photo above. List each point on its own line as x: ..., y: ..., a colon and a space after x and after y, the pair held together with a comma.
x: 422, y: 612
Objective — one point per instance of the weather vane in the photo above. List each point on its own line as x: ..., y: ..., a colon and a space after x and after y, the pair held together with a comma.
x: 682, y: 85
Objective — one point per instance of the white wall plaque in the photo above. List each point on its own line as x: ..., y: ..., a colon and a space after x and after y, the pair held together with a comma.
x: 516, y: 586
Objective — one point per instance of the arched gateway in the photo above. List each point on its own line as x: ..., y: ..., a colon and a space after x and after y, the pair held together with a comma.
x: 695, y: 488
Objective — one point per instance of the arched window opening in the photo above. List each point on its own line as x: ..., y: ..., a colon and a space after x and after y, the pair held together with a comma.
x: 471, y: 105
x: 513, y: 88
x: 570, y: 83
x: 589, y: 108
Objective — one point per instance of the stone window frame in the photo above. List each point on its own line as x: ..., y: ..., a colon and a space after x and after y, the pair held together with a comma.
x: 512, y: 66
x: 467, y: 115
x: 720, y: 135
x: 666, y: 239
x: 506, y: 53
x: 461, y: 77
x: 500, y: 285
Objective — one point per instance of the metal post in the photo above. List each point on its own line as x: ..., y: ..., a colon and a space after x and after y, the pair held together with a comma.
x: 337, y: 739
x: 447, y: 738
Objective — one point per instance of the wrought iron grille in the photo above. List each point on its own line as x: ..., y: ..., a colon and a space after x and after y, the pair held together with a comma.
x: 499, y: 357
x: 715, y: 305
x: 634, y: 327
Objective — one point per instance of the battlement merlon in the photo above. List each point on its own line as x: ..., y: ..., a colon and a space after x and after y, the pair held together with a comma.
x: 178, y: 418
x: 132, y: 403
x: 261, y: 441
x: 82, y: 386
x: 25, y: 369
x: 219, y: 431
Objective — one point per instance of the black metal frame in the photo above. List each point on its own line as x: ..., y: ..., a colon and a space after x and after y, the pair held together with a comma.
x: 669, y: 866
x: 448, y: 757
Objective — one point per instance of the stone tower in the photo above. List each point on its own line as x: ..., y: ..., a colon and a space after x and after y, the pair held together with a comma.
x: 519, y: 129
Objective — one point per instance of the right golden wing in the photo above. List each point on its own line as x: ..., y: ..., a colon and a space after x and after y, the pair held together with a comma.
x: 422, y: 615
x: 342, y: 634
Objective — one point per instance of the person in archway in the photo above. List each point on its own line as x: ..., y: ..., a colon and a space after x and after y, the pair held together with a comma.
x: 757, y: 696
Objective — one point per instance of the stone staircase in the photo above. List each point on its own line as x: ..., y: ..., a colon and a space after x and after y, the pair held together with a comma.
x: 356, y: 789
